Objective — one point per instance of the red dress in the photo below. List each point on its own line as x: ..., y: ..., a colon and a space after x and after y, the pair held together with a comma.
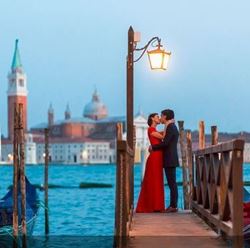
x: 151, y: 197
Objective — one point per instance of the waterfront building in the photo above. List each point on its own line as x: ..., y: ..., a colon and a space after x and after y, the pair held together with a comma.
x: 87, y: 139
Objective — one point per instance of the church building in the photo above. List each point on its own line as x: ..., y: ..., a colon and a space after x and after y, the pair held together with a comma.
x: 87, y: 139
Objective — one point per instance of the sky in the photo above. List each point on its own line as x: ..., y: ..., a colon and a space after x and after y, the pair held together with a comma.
x: 70, y: 47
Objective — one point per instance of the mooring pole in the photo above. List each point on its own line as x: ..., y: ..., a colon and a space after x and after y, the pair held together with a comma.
x: 46, y: 179
x: 214, y: 134
x: 202, y: 142
x: 22, y: 176
x: 184, y: 164
x: 15, y: 177
x: 190, y: 165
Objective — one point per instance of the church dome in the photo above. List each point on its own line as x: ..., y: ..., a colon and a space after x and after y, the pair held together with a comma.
x: 95, y: 109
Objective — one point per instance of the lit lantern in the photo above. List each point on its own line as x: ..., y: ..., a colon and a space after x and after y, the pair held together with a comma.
x: 159, y: 59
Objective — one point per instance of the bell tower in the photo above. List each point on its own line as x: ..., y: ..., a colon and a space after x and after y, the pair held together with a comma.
x: 50, y: 115
x: 17, y: 91
x: 67, y: 113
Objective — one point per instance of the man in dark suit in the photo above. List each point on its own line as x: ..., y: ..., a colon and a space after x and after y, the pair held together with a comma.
x: 170, y: 156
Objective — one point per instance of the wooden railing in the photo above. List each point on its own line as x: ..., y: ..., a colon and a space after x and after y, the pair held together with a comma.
x: 124, y: 202
x: 218, y: 188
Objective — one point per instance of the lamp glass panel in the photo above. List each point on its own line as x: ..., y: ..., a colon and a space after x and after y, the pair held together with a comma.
x: 156, y: 60
x: 165, y: 60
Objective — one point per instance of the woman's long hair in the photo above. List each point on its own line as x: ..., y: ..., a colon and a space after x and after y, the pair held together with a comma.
x: 150, y: 121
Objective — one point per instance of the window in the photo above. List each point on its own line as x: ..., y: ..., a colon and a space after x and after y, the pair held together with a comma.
x: 21, y: 82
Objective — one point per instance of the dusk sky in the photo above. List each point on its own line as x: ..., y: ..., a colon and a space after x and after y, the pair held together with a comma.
x: 69, y: 47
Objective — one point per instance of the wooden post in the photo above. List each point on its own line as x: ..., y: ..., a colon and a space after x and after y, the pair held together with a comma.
x: 130, y: 87
x: 46, y: 179
x: 119, y: 131
x: 22, y: 177
x: 132, y: 169
x: 15, y: 177
x: 121, y: 196
x: 119, y: 190
x: 237, y: 209
x: 184, y: 164
x: 190, y: 164
x: 214, y: 135
x: 202, y: 142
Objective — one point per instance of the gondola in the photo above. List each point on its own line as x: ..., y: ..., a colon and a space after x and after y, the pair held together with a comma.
x: 6, y: 210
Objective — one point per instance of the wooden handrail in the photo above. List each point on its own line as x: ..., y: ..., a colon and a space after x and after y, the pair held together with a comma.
x: 236, y: 144
x: 124, y: 189
x: 218, y: 188
x: 123, y: 146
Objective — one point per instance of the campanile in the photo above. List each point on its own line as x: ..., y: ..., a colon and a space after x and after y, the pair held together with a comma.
x: 17, y: 90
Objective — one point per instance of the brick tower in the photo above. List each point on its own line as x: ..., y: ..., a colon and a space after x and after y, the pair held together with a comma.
x: 17, y: 91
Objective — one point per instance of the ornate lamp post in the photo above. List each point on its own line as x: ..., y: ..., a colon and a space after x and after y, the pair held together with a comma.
x: 158, y: 59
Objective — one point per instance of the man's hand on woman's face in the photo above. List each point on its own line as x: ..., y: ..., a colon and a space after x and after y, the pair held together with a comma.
x: 170, y: 121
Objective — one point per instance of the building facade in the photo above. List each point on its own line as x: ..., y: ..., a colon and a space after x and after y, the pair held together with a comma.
x: 87, y: 139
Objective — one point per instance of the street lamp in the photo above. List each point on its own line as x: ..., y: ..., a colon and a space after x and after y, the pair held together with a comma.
x: 158, y: 60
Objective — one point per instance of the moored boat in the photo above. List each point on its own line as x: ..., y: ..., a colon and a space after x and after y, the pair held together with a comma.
x: 6, y: 210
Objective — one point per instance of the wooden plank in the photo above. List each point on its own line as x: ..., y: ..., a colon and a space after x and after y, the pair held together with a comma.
x: 226, y: 146
x: 182, y: 229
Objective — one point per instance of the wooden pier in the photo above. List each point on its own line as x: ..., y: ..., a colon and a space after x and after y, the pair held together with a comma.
x: 182, y: 229
x: 213, y: 195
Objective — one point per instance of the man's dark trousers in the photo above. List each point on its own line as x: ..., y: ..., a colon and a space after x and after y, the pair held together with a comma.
x: 171, y: 178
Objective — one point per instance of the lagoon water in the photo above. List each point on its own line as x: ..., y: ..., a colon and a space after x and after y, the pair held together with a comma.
x: 80, y: 212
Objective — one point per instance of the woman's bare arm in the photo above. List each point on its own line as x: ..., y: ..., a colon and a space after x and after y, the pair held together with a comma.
x: 157, y: 135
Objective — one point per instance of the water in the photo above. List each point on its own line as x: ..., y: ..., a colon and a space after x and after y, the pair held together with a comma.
x: 79, y: 212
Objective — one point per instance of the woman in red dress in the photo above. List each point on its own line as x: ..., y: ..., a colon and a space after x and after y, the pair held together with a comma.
x: 151, y: 198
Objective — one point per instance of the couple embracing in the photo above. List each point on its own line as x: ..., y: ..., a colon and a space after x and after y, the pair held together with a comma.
x: 163, y: 155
